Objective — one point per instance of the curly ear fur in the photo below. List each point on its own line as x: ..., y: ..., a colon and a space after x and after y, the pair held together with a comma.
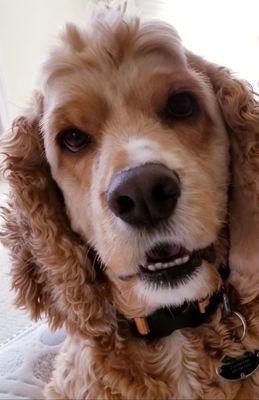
x: 240, y: 111
x: 50, y: 268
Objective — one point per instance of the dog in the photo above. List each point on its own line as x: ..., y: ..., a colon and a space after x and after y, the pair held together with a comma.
x: 133, y: 215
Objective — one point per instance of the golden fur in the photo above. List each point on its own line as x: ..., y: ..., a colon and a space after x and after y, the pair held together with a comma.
x: 111, y: 80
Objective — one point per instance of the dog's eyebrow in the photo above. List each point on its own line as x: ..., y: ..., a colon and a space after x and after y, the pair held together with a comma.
x: 86, y: 112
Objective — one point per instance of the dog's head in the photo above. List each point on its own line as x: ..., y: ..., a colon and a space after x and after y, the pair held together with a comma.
x: 119, y: 175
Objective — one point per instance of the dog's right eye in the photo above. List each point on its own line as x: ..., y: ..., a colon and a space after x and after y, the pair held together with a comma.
x: 74, y: 140
x: 181, y: 105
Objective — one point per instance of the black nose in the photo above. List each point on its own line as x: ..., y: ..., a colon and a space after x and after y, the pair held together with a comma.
x: 144, y: 195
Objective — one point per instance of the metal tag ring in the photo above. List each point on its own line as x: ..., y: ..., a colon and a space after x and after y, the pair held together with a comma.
x: 244, y: 324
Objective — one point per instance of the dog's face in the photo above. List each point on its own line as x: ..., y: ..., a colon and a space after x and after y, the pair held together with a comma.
x: 136, y: 143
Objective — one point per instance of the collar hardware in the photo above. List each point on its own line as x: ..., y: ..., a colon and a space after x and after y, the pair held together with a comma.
x: 142, y: 325
x: 203, y: 304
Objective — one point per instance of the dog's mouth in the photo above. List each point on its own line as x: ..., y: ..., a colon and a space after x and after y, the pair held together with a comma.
x: 171, y: 263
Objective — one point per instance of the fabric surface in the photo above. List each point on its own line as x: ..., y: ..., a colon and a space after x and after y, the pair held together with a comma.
x: 12, y: 320
x: 26, y: 362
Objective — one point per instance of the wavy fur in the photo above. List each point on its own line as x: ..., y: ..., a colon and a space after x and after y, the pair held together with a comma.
x: 52, y: 273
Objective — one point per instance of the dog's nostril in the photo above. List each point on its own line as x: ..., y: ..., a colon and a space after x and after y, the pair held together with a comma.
x: 125, y: 204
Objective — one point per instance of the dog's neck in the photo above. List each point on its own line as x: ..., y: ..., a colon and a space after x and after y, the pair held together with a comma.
x: 165, y: 321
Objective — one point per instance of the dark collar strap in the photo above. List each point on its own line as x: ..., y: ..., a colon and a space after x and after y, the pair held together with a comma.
x: 166, y: 320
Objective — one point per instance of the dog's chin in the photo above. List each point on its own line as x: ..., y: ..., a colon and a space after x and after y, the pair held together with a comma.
x: 195, y: 285
x: 168, y: 275
x: 173, y: 275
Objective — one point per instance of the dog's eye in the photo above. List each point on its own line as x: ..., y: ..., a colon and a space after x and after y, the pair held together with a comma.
x: 181, y: 105
x: 74, y: 140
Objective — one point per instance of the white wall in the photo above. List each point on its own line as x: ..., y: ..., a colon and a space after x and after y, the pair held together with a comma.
x: 224, y: 31
x: 3, y: 103
x: 26, y: 28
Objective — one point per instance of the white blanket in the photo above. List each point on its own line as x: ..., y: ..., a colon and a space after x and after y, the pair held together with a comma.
x: 26, y: 362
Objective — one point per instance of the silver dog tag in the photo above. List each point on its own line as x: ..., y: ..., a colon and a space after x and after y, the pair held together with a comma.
x: 237, y: 369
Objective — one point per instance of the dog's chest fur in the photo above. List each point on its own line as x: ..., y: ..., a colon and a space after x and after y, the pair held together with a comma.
x: 182, y: 365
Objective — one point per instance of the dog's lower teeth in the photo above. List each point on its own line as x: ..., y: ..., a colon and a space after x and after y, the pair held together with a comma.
x: 158, y: 266
x: 151, y: 267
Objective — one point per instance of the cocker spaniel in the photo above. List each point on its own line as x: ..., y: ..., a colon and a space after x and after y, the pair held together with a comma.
x: 134, y: 187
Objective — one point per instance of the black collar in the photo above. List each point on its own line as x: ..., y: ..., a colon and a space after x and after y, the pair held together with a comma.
x: 164, y: 321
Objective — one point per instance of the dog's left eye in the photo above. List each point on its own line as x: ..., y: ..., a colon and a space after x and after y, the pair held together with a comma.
x: 181, y: 105
x: 74, y: 140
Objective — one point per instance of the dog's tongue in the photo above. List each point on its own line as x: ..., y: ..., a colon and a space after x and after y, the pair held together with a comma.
x: 164, y: 251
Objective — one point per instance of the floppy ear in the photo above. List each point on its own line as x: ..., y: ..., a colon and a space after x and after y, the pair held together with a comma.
x: 50, y: 269
x: 240, y: 111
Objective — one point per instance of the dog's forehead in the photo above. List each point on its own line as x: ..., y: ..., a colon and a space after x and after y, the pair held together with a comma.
x: 136, y: 81
x: 110, y: 59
